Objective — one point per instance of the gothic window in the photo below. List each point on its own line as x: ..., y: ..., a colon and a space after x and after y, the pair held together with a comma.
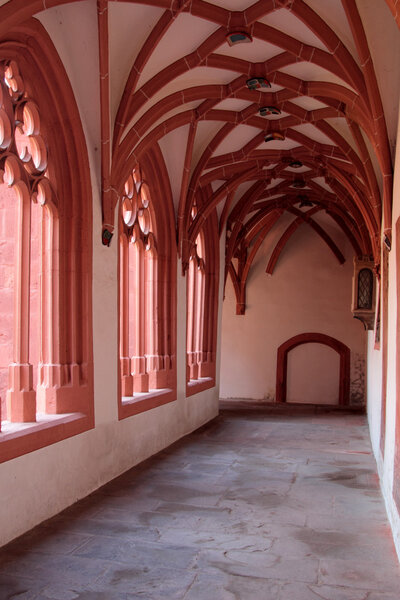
x: 202, y: 289
x: 145, y: 353
x: 27, y: 211
x: 195, y: 311
x: 44, y: 366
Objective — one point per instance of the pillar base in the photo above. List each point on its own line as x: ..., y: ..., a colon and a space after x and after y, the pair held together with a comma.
x: 206, y: 369
x: 21, y: 397
x: 61, y: 389
x: 21, y: 406
x: 63, y: 399
x: 194, y: 371
x: 158, y: 379
x: 127, y: 385
x: 141, y: 382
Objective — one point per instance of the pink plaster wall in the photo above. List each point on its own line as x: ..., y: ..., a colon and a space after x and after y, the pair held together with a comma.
x: 308, y: 292
x: 304, y: 383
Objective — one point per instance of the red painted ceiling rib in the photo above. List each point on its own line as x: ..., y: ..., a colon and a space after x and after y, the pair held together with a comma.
x: 186, y: 78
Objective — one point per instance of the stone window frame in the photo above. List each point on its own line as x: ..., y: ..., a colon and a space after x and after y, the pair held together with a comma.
x: 202, y: 308
x: 41, y: 127
x: 147, y: 315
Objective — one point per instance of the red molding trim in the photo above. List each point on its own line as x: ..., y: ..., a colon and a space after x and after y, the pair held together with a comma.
x: 146, y: 402
x: 42, y: 434
x: 315, y: 338
x: 69, y: 172
x: 394, y: 6
x: 163, y: 224
x: 195, y: 386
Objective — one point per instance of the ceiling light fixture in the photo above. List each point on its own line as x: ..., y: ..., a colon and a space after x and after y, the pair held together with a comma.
x: 274, y: 135
x: 304, y: 202
x: 256, y: 83
x: 269, y: 110
x: 238, y: 37
x: 299, y: 184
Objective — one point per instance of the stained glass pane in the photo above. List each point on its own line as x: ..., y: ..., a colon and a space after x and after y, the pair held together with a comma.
x: 365, y: 283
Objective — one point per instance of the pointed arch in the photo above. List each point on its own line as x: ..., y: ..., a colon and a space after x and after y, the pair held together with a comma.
x: 45, y: 161
x: 147, y: 288
x: 202, y: 305
x: 316, y: 338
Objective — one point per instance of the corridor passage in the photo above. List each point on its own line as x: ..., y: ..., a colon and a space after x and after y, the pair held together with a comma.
x: 257, y: 505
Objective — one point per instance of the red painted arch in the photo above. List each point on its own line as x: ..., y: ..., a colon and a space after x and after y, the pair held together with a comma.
x: 68, y: 172
x: 313, y: 338
x: 394, y: 6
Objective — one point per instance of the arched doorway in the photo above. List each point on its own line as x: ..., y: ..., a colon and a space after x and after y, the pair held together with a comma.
x: 314, y: 338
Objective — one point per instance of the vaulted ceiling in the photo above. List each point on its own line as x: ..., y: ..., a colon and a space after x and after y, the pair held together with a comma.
x: 297, y: 117
x: 290, y: 119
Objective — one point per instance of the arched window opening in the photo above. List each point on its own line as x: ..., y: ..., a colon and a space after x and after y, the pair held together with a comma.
x: 195, y: 311
x: 202, y: 296
x: 45, y: 241
x: 145, y: 353
x: 8, y: 206
x: 25, y: 191
x: 20, y: 274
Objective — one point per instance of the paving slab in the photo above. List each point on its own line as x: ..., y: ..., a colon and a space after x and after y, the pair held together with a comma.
x: 256, y: 505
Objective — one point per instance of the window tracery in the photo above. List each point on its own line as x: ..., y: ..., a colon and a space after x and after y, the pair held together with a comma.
x: 43, y: 274
x: 23, y: 165
x: 23, y: 152
x: 145, y: 358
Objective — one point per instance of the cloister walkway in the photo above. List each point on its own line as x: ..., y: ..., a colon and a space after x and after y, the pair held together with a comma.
x: 257, y: 505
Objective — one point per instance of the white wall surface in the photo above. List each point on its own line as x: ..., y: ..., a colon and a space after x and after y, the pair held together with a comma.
x: 309, y: 291
x: 38, y: 485
x: 386, y: 461
x: 374, y: 392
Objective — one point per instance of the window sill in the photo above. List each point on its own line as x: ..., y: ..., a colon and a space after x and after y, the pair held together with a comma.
x: 17, y: 439
x: 141, y: 402
x: 195, y: 386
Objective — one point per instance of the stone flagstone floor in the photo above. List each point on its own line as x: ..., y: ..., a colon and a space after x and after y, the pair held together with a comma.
x: 257, y: 505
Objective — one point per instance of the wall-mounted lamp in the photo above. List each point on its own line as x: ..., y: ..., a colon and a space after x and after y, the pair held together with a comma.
x: 106, y: 237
